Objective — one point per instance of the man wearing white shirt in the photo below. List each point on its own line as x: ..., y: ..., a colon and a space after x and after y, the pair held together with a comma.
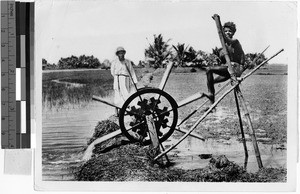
x: 121, y: 70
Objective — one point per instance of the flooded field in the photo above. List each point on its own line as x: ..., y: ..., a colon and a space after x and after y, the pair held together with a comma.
x: 67, y: 129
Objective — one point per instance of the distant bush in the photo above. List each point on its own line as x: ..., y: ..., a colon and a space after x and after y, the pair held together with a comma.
x: 106, y: 64
x: 82, y: 61
x: 48, y: 66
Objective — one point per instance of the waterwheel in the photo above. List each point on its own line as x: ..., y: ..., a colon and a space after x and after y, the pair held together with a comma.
x: 148, y: 101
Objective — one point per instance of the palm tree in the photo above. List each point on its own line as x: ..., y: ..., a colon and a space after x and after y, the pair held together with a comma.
x: 180, y: 55
x: 158, y: 53
x: 249, y: 57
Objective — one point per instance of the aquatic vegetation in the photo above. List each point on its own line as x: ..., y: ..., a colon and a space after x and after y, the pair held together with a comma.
x: 74, y: 87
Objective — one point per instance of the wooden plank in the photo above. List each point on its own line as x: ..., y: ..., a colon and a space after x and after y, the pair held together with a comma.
x: 97, y: 98
x: 165, y: 76
x: 152, y: 132
x: 191, y: 134
x: 190, y: 99
x: 89, y: 151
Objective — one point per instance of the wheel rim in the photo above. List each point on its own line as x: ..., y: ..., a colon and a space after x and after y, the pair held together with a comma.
x: 149, y: 101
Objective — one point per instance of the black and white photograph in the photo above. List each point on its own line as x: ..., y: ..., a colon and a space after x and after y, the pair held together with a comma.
x: 166, y: 95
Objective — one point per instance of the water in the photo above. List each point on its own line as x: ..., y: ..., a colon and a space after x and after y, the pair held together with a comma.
x: 65, y: 135
x: 186, y: 154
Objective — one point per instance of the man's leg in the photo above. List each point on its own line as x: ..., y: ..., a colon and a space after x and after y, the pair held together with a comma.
x: 223, y: 76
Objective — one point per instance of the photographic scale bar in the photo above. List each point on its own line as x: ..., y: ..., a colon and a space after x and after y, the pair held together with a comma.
x: 16, y: 61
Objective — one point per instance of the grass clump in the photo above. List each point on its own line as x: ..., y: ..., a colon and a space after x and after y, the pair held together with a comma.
x: 130, y: 163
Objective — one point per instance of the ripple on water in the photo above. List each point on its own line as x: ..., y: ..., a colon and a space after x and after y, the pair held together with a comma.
x: 65, y: 135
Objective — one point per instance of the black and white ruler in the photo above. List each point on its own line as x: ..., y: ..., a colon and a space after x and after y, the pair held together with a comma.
x: 16, y: 62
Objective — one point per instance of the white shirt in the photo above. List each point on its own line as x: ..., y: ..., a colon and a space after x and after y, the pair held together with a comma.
x: 119, y: 68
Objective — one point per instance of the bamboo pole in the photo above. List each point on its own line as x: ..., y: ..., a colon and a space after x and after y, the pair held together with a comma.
x: 232, y: 73
x: 190, y: 99
x: 242, y: 130
x: 256, y: 149
x: 135, y: 86
x: 261, y: 64
x: 165, y: 76
x: 191, y: 134
x: 97, y: 98
x: 166, y: 156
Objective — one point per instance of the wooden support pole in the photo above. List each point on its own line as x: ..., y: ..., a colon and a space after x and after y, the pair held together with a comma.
x: 165, y: 76
x: 252, y: 132
x: 135, y: 86
x: 97, y: 98
x: 88, y: 152
x: 163, y: 149
x: 216, y: 17
x: 190, y: 99
x: 153, y: 137
x: 242, y: 130
x: 152, y: 131
x: 261, y: 64
x: 191, y: 134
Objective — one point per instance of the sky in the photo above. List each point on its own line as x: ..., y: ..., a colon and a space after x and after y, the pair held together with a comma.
x: 90, y: 27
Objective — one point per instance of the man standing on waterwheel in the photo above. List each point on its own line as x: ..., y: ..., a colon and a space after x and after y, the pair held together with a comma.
x: 237, y: 58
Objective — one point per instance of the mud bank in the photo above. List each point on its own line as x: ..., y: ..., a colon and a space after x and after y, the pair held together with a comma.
x: 119, y: 160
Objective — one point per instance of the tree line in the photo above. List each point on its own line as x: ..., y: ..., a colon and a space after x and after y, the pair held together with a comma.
x: 158, y: 54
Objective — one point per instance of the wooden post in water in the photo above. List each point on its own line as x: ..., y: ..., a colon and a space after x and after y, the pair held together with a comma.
x: 242, y: 130
x: 243, y: 103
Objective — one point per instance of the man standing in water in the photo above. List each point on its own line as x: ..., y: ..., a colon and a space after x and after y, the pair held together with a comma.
x: 237, y: 58
x: 121, y: 70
